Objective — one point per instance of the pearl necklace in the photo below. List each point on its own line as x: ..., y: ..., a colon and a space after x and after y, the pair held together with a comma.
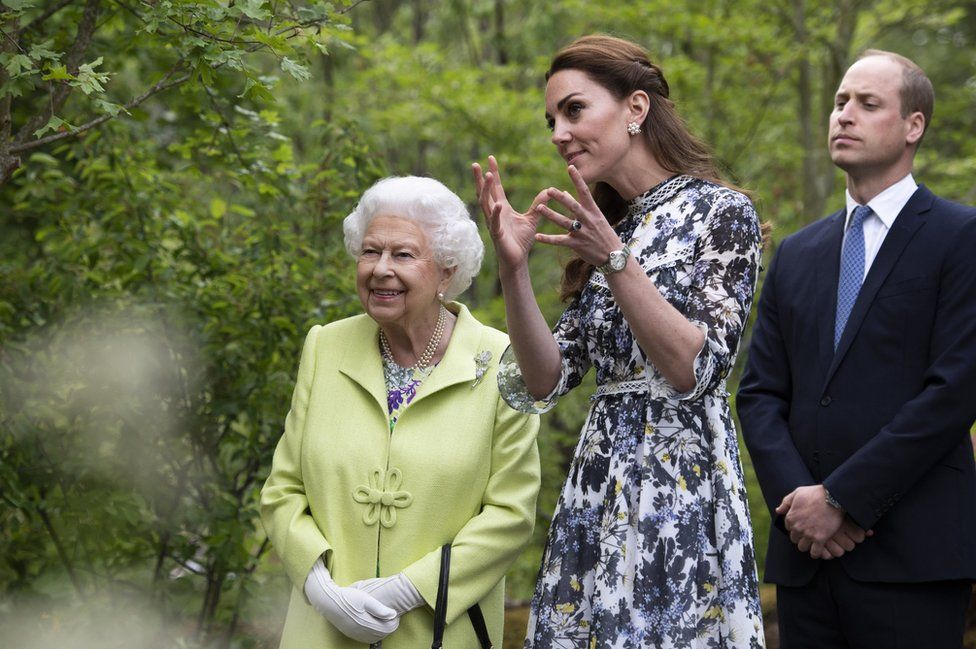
x: 428, y: 355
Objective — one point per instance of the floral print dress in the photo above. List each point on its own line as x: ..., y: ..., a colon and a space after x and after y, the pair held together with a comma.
x: 651, y: 543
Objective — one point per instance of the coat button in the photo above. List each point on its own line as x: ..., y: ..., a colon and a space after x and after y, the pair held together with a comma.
x: 825, y: 401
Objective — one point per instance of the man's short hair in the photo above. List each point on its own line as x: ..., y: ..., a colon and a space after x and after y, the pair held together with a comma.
x: 917, y: 94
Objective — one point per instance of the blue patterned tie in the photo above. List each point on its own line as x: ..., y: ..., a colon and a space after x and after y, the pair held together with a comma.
x: 851, y: 269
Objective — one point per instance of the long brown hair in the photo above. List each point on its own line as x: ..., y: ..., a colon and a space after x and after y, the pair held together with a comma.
x: 622, y: 68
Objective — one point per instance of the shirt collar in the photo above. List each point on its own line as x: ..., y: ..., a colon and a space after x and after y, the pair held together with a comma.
x: 889, y: 203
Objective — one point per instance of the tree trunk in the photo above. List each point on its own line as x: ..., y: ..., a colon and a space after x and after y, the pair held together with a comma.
x: 8, y: 43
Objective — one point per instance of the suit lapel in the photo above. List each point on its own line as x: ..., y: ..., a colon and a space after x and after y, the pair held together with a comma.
x: 458, y: 364
x: 827, y: 264
x: 361, y: 361
x: 907, y: 223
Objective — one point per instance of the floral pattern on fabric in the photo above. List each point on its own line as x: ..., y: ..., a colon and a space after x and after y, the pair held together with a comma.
x: 401, y: 387
x: 651, y: 543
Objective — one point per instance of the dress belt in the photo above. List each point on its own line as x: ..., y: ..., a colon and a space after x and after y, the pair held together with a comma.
x: 619, y: 387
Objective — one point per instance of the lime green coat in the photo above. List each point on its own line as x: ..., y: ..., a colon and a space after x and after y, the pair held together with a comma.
x: 461, y: 467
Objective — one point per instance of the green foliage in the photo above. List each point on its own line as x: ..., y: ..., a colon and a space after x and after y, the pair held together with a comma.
x: 153, y: 308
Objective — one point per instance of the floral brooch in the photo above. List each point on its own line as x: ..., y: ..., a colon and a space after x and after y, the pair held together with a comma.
x: 481, y: 361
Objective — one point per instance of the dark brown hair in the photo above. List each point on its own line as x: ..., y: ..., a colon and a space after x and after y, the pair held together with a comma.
x: 622, y: 68
x: 917, y: 94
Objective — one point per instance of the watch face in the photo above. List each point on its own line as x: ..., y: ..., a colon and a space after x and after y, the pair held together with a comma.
x: 617, y: 260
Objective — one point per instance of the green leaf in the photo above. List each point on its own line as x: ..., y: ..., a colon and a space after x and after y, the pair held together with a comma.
x: 42, y: 50
x: 17, y: 5
x: 111, y: 108
x: 53, y: 124
x: 11, y: 89
x: 296, y: 70
x: 254, y: 9
x: 90, y: 81
x: 58, y: 72
x: 257, y: 91
x: 18, y: 63
x: 218, y: 207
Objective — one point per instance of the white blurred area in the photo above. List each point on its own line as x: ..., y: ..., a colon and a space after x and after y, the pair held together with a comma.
x: 97, y: 623
x: 113, y: 388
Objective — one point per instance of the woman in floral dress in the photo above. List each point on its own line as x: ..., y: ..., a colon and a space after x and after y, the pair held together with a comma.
x: 651, y: 543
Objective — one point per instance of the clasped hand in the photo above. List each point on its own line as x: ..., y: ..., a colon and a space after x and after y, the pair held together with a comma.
x: 514, y: 233
x: 354, y: 612
x: 816, y: 527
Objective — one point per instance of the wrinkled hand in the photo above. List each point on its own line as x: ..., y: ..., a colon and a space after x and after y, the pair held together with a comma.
x: 397, y: 592
x: 512, y: 232
x: 810, y: 521
x: 355, y: 613
x: 596, y: 239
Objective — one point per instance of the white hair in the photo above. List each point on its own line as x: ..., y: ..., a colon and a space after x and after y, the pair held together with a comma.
x: 443, y: 217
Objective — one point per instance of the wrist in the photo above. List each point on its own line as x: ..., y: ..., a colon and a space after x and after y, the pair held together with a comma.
x: 616, y: 261
x: 830, y: 500
x: 512, y: 273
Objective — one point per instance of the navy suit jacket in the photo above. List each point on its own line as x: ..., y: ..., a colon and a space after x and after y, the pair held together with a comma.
x: 882, y: 422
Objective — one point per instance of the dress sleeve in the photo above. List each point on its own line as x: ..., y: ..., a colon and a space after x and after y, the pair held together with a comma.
x: 488, y: 544
x: 722, y: 287
x: 284, y: 505
x: 576, y: 363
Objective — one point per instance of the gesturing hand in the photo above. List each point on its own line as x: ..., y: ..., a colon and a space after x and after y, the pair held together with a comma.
x: 357, y: 614
x: 595, y: 239
x: 511, y: 232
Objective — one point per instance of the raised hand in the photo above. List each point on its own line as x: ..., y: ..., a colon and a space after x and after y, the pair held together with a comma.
x: 595, y: 238
x: 512, y: 232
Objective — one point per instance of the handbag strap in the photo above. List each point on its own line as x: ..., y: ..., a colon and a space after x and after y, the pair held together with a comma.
x: 440, y: 607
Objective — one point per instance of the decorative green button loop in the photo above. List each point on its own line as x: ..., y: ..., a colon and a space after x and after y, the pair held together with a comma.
x: 382, y: 497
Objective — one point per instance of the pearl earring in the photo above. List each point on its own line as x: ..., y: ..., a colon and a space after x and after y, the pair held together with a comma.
x: 440, y: 297
x: 633, y: 128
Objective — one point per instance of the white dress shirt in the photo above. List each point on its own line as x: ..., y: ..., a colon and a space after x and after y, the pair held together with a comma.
x: 885, y: 207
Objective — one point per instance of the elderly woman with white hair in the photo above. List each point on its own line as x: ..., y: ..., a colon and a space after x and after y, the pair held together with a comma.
x: 398, y: 442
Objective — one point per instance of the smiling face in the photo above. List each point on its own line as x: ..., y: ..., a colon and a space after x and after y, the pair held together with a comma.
x: 589, y: 125
x: 397, y: 277
x: 868, y: 136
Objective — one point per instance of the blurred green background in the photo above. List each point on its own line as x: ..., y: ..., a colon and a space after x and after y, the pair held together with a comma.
x: 173, y: 174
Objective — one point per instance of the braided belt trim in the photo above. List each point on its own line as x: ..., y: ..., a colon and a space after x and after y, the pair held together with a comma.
x: 619, y: 387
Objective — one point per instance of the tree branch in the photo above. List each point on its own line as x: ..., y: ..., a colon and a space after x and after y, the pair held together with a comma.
x: 50, y: 11
x: 8, y: 163
x: 351, y: 7
x: 59, y: 548
x: 159, y: 87
x: 83, y: 37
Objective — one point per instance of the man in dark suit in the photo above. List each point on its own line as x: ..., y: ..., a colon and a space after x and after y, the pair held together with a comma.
x: 860, y: 390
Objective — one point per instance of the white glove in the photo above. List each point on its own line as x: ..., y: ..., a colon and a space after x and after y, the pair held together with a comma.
x: 397, y: 592
x: 356, y: 613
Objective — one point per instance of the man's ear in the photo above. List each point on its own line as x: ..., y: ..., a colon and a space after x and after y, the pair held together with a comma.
x: 916, y: 127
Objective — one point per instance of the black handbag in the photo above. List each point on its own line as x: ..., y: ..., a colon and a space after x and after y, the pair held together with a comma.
x: 440, y: 607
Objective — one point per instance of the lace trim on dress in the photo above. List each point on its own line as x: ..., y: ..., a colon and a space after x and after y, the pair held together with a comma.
x: 660, y: 193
